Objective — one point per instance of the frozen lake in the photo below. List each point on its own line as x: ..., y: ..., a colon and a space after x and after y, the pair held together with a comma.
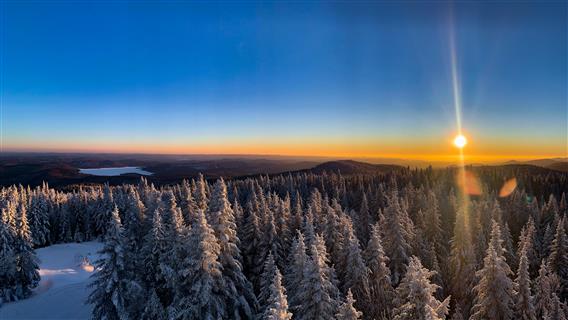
x: 108, y: 172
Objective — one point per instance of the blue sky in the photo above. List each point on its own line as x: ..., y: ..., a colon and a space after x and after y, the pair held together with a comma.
x: 188, y: 74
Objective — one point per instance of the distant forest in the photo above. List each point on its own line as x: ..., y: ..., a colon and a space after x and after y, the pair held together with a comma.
x: 400, y: 244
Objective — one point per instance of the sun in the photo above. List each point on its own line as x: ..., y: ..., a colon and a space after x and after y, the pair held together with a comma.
x: 460, y: 141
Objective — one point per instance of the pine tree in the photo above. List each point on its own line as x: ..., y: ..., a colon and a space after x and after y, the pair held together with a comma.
x: 558, y: 259
x: 7, y: 259
x: 396, y: 238
x: 458, y: 315
x: 524, y: 308
x: 175, y: 231
x: 415, y: 295
x: 462, y: 262
x: 187, y: 203
x: 356, y: 274
x: 347, y: 310
x: 558, y: 310
x: 200, y: 291
x: 103, y: 214
x: 295, y: 272
x: 39, y: 219
x: 364, y: 220
x: 64, y: 225
x: 381, y: 292
x: 508, y: 245
x: 265, y: 283
x: 277, y: 305
x: 269, y: 242
x: 242, y: 301
x: 528, y: 241
x: 155, y: 258
x: 317, y: 288
x: 334, y: 239
x: 494, y: 299
x: 133, y: 219
x: 27, y: 264
x: 432, y: 224
x: 110, y: 293
x: 154, y: 310
x: 200, y: 194
x: 251, y: 238
x: 546, y: 284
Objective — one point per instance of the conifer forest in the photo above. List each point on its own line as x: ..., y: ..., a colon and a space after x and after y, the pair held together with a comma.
x: 402, y: 244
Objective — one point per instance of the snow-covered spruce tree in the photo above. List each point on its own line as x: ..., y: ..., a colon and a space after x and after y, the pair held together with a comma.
x: 269, y: 242
x: 364, y: 221
x: 187, y: 203
x: 457, y: 315
x: 200, y: 193
x: 308, y: 228
x: 558, y: 309
x: 27, y: 264
x: 110, y: 293
x: 527, y: 241
x: 432, y: 224
x: 154, y: 259
x: 297, y: 214
x: 39, y: 219
x: 265, y: 283
x: 381, y: 292
x: 346, y: 310
x: 103, y: 213
x: 415, y: 295
x: 545, y: 286
x: 175, y: 230
x: 524, y: 308
x: 333, y: 237
x: 277, y: 305
x: 396, y: 238
x: 282, y: 219
x: 462, y: 263
x: 494, y: 291
x: 64, y: 224
x: 133, y: 220
x: 328, y: 268
x: 242, y: 302
x: 200, y: 291
x: 295, y: 271
x: 153, y: 310
x: 547, y: 238
x: 356, y: 274
x: 558, y: 259
x: 7, y: 259
x: 510, y: 256
x: 317, y: 289
x: 251, y: 238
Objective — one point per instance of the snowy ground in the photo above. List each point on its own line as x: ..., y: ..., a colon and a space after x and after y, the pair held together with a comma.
x: 65, y: 270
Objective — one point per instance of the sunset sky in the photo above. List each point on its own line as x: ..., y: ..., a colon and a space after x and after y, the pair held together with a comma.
x: 345, y: 79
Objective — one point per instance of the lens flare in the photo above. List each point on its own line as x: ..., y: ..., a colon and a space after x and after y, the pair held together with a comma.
x: 469, y: 183
x: 508, y: 188
x: 460, y: 141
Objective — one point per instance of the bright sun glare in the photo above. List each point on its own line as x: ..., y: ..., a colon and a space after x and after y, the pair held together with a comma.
x: 460, y: 141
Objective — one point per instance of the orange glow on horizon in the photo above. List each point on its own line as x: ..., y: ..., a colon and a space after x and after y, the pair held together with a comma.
x: 427, y: 151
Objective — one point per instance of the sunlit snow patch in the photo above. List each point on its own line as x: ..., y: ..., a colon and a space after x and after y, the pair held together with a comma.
x: 65, y: 271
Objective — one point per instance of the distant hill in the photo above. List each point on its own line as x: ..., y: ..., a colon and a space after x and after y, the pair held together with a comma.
x: 353, y: 167
x: 61, y: 170
x: 558, y: 164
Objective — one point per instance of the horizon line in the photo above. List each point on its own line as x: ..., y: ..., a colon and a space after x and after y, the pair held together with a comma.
x: 416, y: 158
